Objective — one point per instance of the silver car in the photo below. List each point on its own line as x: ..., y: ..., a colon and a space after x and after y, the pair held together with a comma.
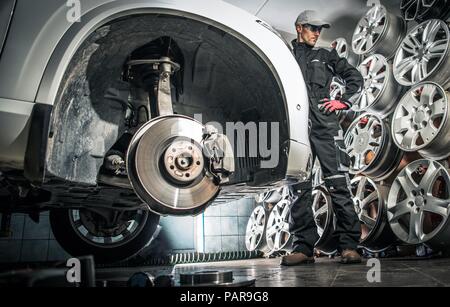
x: 113, y: 113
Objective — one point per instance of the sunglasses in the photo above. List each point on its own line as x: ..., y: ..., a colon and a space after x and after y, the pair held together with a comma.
x: 313, y: 28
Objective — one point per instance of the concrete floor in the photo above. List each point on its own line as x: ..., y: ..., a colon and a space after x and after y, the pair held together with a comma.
x: 396, y: 272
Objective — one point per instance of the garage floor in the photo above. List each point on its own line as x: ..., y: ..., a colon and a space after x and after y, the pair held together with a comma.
x: 325, y: 272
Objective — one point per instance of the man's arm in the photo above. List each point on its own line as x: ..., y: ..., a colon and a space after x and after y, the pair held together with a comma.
x: 353, y: 78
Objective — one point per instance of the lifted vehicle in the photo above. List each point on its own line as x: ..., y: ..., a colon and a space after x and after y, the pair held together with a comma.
x: 102, y: 119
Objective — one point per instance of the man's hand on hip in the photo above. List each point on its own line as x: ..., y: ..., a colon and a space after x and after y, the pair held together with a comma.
x: 330, y: 106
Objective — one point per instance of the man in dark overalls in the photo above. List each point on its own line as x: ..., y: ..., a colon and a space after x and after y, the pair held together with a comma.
x: 319, y: 66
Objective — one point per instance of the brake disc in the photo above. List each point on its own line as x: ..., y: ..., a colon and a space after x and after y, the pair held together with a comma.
x: 167, y: 168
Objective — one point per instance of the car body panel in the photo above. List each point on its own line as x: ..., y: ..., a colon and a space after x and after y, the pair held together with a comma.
x: 6, y: 13
x: 14, y: 127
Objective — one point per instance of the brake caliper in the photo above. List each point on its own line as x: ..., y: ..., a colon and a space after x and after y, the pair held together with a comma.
x: 218, y: 150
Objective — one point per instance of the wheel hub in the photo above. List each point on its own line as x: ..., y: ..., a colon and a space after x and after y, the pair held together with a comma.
x: 183, y: 161
x: 419, y: 201
x: 368, y: 82
x: 420, y: 53
x: 362, y: 142
x: 419, y: 117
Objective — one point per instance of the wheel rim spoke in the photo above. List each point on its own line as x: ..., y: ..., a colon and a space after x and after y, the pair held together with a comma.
x: 437, y: 206
x: 401, y: 124
x: 322, y: 210
x: 405, y: 185
x: 428, y: 134
x: 438, y: 47
x: 368, y: 221
x: 438, y: 107
x: 415, y: 226
x: 285, y: 212
x: 410, y: 138
x: 361, y: 188
x: 429, y: 178
x: 430, y: 31
x: 369, y: 199
x: 405, y: 66
x: 400, y: 210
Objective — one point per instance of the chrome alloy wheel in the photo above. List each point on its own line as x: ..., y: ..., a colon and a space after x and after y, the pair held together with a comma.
x: 421, y: 10
x: 419, y: 204
x: 369, y: 144
x: 380, y: 91
x: 325, y: 221
x: 421, y: 121
x: 424, y: 55
x: 370, y: 199
x: 277, y: 232
x: 378, y: 31
x: 126, y: 227
x: 255, y: 235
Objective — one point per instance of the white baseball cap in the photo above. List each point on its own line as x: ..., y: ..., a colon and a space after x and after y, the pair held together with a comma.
x: 311, y: 17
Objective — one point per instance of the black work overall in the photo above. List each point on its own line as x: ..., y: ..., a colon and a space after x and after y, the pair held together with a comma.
x: 318, y: 67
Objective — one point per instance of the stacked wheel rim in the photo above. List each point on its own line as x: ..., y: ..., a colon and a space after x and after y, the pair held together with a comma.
x: 378, y: 31
x: 421, y: 10
x: 325, y: 221
x: 369, y: 144
x: 255, y: 234
x: 369, y: 199
x: 424, y: 55
x: 421, y: 121
x: 344, y: 51
x: 419, y: 204
x: 278, y: 236
x: 380, y: 89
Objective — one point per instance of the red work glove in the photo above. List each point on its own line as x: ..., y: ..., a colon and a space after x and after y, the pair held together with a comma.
x: 332, y: 105
x: 364, y: 121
